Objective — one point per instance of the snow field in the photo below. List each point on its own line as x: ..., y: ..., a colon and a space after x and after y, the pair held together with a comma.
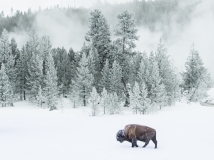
x: 184, y: 132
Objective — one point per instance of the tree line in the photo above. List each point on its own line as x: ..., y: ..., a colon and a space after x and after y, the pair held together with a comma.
x: 105, y: 72
x: 147, y: 14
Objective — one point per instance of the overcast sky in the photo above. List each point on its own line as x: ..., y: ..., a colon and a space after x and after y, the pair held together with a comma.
x: 23, y: 5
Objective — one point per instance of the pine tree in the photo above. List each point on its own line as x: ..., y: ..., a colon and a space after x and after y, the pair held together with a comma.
x: 73, y: 90
x: 105, y: 81
x: 114, y: 106
x: 145, y: 101
x: 44, y: 51
x: 157, y: 92
x: 34, y: 79
x: 74, y: 60
x: 8, y: 58
x: 5, y: 49
x: 143, y: 73
x: 126, y: 32
x: 94, y: 100
x: 99, y: 36
x: 104, y: 100
x: 32, y: 46
x: 40, y: 98
x: 74, y: 95
x: 125, y: 43
x: 11, y: 71
x: 115, y: 79
x: 135, y: 98
x: 94, y: 66
x: 134, y: 68
x: 15, y: 50
x: 66, y: 70
x: 84, y: 79
x: 51, y: 89
x: 168, y: 76
x: 5, y: 88
x: 196, y: 78
x: 22, y: 72
x: 63, y: 69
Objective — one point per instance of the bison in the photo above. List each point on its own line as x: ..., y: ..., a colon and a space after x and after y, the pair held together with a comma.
x: 134, y: 132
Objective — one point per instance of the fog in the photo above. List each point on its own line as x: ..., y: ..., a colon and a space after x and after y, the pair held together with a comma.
x: 67, y: 32
x: 199, y: 31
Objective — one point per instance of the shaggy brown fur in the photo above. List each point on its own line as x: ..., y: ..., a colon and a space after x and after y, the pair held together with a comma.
x: 134, y: 132
x: 130, y: 131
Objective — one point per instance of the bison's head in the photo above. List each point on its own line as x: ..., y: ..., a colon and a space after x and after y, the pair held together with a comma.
x: 120, y: 136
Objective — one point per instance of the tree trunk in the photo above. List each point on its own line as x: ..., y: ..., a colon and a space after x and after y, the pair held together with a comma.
x: 126, y: 92
x: 24, y: 96
x: 123, y: 45
x: 84, y: 97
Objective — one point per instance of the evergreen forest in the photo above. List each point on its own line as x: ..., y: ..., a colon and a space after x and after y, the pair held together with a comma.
x: 107, y: 73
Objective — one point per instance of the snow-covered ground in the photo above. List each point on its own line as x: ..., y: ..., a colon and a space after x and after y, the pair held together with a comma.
x: 184, y: 132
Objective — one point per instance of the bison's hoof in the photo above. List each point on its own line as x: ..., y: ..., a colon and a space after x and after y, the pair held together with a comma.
x: 136, y: 145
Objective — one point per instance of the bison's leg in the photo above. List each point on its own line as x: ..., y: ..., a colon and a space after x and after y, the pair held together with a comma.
x: 134, y: 142
x: 149, y: 136
x: 154, y: 140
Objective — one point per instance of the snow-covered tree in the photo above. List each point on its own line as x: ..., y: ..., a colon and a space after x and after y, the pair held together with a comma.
x: 115, y: 79
x: 74, y: 96
x: 40, y: 97
x: 105, y: 81
x: 5, y: 49
x: 139, y: 98
x: 143, y: 73
x: 157, y: 92
x: 114, y: 104
x: 66, y: 79
x: 135, y: 98
x: 32, y: 46
x: 63, y: 66
x: 22, y: 72
x: 99, y: 36
x: 104, y: 100
x: 196, y: 78
x: 51, y: 89
x: 94, y: 101
x: 34, y: 78
x: 126, y: 33
x: 14, y: 47
x: 94, y: 66
x: 167, y: 73
x: 5, y: 88
x: 44, y: 49
x: 74, y: 60
x: 145, y: 101
x: 84, y: 79
x: 134, y: 68
x: 8, y: 58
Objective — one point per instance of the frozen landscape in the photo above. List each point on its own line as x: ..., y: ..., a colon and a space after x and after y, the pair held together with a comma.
x: 74, y: 73
x: 184, y: 132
